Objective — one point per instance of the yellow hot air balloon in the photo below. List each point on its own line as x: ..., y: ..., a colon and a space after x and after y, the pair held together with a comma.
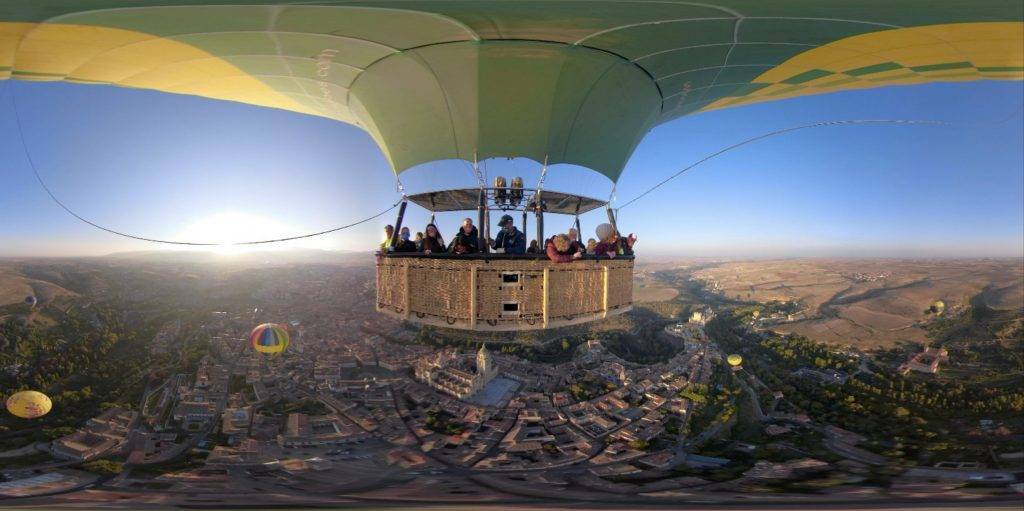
x: 29, y: 404
x: 269, y: 338
x: 734, y: 360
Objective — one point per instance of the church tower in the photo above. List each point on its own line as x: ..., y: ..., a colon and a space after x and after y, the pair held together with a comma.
x: 485, y: 365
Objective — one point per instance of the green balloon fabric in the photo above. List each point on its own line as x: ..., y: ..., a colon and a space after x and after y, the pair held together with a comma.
x: 557, y: 81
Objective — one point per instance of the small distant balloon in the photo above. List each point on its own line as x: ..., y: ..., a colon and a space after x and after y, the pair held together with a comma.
x: 31, y: 300
x: 29, y: 404
x: 734, y: 360
x: 269, y: 338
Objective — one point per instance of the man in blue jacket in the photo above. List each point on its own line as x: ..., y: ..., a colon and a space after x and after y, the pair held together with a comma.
x: 510, y: 240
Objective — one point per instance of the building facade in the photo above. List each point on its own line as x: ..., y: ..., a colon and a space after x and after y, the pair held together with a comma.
x: 452, y: 374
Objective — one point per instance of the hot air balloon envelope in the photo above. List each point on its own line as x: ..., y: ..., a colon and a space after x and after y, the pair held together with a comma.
x: 269, y: 338
x: 29, y: 404
x: 561, y: 82
x: 734, y: 360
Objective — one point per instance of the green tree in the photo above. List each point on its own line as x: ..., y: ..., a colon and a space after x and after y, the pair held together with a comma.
x: 103, y: 467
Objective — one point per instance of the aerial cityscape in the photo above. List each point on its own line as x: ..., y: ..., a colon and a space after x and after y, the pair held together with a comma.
x: 163, y: 402
x: 512, y: 254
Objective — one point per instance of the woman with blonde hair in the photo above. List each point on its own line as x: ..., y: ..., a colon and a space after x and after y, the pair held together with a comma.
x: 560, y: 249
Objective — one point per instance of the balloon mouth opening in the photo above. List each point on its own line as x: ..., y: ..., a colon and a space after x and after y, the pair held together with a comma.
x: 520, y: 172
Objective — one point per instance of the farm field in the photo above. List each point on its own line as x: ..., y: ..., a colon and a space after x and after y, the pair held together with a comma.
x: 867, y: 303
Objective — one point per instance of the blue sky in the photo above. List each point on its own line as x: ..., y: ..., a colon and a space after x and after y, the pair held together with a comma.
x: 154, y: 164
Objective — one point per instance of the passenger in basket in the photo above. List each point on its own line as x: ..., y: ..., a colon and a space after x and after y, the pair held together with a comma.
x: 467, y: 240
x: 418, y: 241
x: 389, y: 232
x: 404, y: 243
x: 574, y: 238
x: 591, y: 245
x: 433, y: 243
x: 561, y: 250
x: 612, y: 244
x: 534, y: 248
x: 510, y: 240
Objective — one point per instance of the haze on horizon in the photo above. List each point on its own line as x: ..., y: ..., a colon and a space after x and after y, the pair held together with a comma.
x: 186, y: 168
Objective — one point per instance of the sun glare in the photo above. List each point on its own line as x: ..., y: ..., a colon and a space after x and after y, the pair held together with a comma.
x: 236, y: 227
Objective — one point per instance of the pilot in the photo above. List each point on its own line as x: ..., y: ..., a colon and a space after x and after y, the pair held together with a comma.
x: 510, y: 240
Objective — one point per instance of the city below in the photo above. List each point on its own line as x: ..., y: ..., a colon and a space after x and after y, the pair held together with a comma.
x: 715, y: 390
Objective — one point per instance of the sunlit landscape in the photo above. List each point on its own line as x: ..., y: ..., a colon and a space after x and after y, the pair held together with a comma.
x: 228, y: 233
x: 512, y: 254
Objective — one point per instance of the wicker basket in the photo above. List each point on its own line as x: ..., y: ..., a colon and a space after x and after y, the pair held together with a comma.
x: 502, y: 294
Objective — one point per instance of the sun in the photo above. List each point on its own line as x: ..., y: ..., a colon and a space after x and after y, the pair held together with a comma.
x: 236, y: 227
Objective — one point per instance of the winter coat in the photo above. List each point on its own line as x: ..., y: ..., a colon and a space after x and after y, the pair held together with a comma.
x: 555, y: 255
x: 434, y: 245
x: 513, y: 242
x: 470, y: 242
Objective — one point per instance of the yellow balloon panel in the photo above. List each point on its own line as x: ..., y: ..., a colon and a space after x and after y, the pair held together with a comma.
x: 29, y: 404
x: 89, y: 54
x: 952, y: 52
x: 542, y: 80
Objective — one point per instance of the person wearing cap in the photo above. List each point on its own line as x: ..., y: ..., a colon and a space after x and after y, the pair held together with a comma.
x: 509, y: 240
x: 467, y: 240
x: 611, y: 244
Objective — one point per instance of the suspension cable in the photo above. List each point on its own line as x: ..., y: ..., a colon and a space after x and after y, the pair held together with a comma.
x: 53, y: 197
x: 476, y: 172
x: 768, y: 135
x: 899, y: 122
x: 543, y: 173
x: 399, y: 187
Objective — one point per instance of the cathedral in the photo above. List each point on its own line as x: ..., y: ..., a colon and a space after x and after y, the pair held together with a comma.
x: 453, y: 374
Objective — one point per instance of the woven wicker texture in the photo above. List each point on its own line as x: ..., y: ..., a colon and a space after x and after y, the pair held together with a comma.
x: 509, y: 294
x: 575, y: 289
x: 390, y: 286
x: 440, y: 288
